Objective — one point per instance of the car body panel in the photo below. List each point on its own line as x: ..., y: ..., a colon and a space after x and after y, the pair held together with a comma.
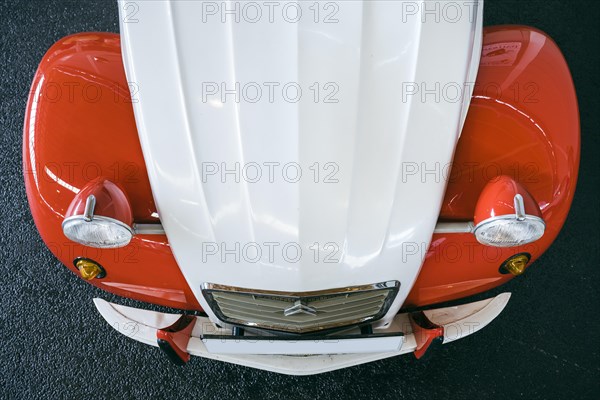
x: 302, y: 233
x: 79, y: 126
x: 72, y: 137
x: 523, y: 122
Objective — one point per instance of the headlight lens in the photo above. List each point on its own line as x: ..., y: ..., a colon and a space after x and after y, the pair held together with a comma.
x: 508, y: 231
x: 101, y: 232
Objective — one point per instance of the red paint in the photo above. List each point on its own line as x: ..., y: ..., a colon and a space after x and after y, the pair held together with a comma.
x: 497, y: 198
x: 111, y: 201
x: 523, y: 122
x: 425, y: 332
x: 79, y: 126
x: 176, y: 337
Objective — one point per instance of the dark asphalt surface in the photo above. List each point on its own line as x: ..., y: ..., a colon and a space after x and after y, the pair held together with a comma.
x: 55, y: 345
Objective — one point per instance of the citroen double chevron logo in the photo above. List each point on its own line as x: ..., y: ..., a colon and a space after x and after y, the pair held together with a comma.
x: 299, y: 308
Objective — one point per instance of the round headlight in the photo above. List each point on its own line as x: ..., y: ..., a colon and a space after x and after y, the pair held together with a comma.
x: 507, y: 215
x: 99, y: 216
x: 508, y: 231
x: 101, y: 232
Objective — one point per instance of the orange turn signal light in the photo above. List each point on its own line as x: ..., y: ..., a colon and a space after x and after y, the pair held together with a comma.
x: 89, y: 269
x: 515, y: 264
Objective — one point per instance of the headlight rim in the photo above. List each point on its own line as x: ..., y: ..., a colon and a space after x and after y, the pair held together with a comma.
x: 85, y: 220
x: 526, y: 218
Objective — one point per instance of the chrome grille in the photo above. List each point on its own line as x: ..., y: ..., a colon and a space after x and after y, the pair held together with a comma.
x: 301, y: 312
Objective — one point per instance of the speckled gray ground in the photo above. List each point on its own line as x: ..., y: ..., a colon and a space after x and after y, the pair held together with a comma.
x: 55, y: 345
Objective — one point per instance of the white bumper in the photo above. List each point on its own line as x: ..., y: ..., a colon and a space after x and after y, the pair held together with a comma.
x: 303, y: 356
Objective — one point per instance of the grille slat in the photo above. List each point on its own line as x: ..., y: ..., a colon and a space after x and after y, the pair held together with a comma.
x: 321, y: 306
x: 292, y: 324
x: 242, y: 301
x: 294, y: 320
x: 306, y: 312
x: 302, y: 317
x: 348, y: 303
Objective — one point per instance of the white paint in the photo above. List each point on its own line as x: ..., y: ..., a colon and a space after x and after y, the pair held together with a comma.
x: 458, y: 322
x: 249, y: 345
x: 371, y: 61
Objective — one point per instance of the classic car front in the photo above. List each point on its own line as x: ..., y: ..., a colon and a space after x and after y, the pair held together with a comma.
x: 301, y: 189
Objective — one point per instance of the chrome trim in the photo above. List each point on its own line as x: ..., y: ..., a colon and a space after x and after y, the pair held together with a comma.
x: 148, y: 229
x: 90, y: 205
x: 454, y: 227
x: 96, y: 218
x: 441, y: 227
x: 392, y: 286
x: 299, y: 308
x: 519, y: 207
x: 512, y: 217
x: 509, y: 217
x: 351, y: 289
x: 136, y: 229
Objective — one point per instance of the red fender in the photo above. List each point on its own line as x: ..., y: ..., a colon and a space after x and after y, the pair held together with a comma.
x: 523, y: 122
x: 79, y: 126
